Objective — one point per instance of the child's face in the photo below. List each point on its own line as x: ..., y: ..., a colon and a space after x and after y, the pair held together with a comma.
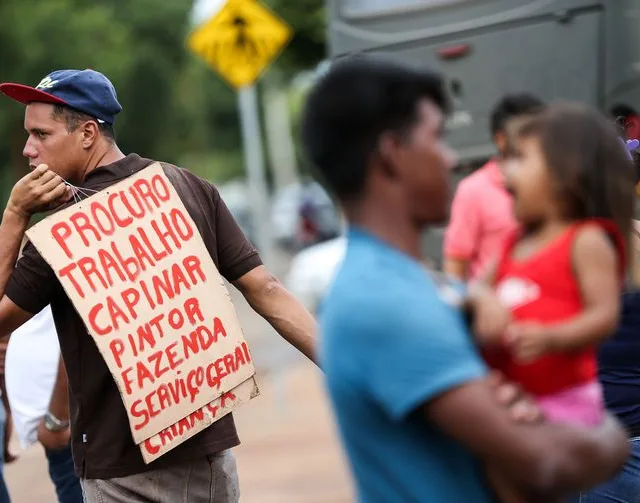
x: 527, y: 178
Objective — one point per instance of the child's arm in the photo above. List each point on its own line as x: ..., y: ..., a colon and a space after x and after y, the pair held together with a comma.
x: 489, y: 318
x: 596, y: 267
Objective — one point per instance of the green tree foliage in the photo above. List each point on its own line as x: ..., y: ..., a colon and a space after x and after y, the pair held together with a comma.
x: 175, y: 107
x: 307, y: 17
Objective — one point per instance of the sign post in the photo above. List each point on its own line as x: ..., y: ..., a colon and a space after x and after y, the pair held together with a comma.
x: 239, y: 43
x: 251, y: 139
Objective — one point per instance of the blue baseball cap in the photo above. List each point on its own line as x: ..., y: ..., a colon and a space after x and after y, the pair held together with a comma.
x: 87, y: 91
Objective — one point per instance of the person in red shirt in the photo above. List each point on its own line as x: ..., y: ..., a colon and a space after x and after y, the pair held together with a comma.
x: 482, y: 209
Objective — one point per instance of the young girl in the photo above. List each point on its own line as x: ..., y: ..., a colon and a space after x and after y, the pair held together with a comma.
x: 553, y: 294
x: 560, y: 275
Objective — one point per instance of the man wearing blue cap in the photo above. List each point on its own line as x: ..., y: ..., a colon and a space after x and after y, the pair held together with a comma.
x: 69, y: 118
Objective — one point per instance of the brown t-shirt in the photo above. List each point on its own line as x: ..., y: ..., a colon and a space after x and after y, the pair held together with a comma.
x: 101, y: 438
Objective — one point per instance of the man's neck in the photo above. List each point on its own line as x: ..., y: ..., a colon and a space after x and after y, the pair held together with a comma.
x: 108, y: 154
x: 387, y: 225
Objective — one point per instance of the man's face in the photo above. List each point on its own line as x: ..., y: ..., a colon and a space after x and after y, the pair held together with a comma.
x: 426, y: 162
x: 50, y: 143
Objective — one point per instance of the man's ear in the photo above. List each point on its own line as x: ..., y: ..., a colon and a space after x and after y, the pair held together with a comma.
x: 500, y: 140
x: 90, y: 132
x: 388, y: 153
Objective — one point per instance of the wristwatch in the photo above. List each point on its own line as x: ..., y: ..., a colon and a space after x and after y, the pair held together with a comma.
x: 53, y: 424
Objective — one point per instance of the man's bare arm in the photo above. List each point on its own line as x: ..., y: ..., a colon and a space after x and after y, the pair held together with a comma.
x: 59, y: 403
x: 59, y: 407
x: 270, y: 299
x: 550, y: 459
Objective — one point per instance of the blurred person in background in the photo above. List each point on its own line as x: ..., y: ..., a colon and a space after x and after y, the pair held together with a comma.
x: 318, y: 220
x: 482, y: 209
x: 619, y: 374
x: 415, y: 406
x: 309, y: 232
x: 628, y: 121
x: 38, y: 395
x: 5, y: 423
x: 69, y: 120
x: 9, y: 457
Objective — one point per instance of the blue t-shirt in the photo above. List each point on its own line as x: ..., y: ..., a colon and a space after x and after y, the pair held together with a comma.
x: 390, y: 343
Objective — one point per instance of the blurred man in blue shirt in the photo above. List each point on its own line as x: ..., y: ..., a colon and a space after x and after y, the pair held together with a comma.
x: 415, y: 407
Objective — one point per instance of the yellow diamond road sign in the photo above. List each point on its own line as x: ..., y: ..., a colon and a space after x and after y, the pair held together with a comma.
x: 241, y: 40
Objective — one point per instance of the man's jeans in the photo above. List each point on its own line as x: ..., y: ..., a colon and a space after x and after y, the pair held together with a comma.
x: 211, y: 479
x: 63, y: 476
x: 625, y: 487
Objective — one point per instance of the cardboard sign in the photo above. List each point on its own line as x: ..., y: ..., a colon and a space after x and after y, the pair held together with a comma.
x: 194, y: 423
x: 134, y: 265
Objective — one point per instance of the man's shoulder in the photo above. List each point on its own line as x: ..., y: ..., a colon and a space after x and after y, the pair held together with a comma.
x: 356, y: 291
x: 372, y: 300
x: 177, y: 171
x: 188, y: 184
x: 369, y: 275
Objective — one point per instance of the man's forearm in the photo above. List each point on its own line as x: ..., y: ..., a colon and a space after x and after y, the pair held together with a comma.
x: 287, y: 316
x: 597, y: 458
x: 571, y: 459
x: 12, y: 230
x: 59, y: 403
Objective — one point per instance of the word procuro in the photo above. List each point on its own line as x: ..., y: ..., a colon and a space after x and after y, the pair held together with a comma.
x: 122, y: 208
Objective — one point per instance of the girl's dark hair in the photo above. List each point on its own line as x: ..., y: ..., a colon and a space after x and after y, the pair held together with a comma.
x: 588, y: 162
